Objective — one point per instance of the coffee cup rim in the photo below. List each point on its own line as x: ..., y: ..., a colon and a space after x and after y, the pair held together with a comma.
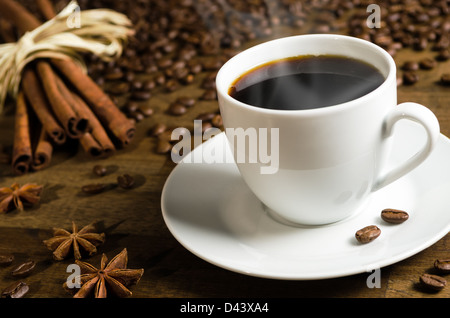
x: 222, y: 89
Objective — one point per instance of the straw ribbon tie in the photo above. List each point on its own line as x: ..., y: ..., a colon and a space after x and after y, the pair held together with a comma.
x: 100, y: 31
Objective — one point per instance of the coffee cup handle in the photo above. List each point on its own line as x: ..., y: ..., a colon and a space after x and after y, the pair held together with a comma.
x: 421, y: 115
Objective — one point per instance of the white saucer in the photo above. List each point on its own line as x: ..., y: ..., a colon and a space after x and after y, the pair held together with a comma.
x: 210, y: 210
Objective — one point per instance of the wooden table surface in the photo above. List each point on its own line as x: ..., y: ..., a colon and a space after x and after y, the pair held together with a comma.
x: 132, y: 218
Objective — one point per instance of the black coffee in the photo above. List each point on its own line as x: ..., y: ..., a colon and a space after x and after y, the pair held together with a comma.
x: 306, y: 82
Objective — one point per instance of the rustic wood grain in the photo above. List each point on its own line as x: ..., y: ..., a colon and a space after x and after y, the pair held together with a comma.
x: 132, y: 218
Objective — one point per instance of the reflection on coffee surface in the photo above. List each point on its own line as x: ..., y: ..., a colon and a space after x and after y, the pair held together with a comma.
x: 306, y: 82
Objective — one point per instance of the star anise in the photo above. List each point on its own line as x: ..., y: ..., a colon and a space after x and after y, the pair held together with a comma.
x: 111, y: 279
x: 16, y: 196
x: 63, y: 241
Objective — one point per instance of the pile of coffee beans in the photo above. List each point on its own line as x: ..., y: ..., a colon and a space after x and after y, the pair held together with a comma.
x: 179, y: 43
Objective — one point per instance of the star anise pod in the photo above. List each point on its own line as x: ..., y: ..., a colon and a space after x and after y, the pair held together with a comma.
x: 63, y: 241
x: 111, y: 279
x: 16, y: 196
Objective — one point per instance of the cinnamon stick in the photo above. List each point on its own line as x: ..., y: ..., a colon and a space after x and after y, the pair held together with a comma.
x: 16, y: 14
x: 74, y: 125
x: 91, y: 146
x: 46, y: 8
x: 21, y: 157
x: 7, y: 31
x: 38, y: 101
x: 103, y: 107
x: 42, y: 153
x: 96, y: 141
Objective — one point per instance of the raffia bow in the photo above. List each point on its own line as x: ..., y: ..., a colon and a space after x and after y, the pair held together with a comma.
x: 100, y: 31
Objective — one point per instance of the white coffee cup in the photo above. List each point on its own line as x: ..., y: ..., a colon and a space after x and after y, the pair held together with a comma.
x: 330, y: 158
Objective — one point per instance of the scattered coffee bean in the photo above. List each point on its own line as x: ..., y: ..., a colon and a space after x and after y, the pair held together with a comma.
x: 433, y: 282
x: 15, y: 290
x: 443, y: 55
x: 367, y: 234
x: 146, y: 110
x: 137, y: 116
x: 119, y: 88
x: 217, y: 121
x: 394, y: 216
x: 177, y: 109
x: 206, y: 116
x: 100, y: 170
x: 171, y: 85
x: 427, y: 63
x: 442, y: 265
x: 209, y: 94
x: 410, y: 66
x: 6, y: 259
x: 445, y: 79
x: 410, y: 77
x: 205, y: 126
x: 186, y: 101
x: 23, y: 269
x: 114, y: 74
x: 141, y: 95
x: 163, y: 147
x: 148, y: 85
x: 158, y: 129
x: 131, y: 107
x: 165, y: 135
x: 125, y: 181
x: 93, y: 188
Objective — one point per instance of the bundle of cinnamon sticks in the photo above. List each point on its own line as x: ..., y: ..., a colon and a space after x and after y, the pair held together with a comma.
x: 66, y: 102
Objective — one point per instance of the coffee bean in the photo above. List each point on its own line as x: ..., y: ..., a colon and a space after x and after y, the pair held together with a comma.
x: 146, y: 110
x: 177, y: 109
x: 148, y: 85
x: 217, y: 121
x: 367, y: 234
x: 443, y: 55
x: 410, y: 77
x: 23, y: 269
x: 6, y: 259
x: 394, y: 216
x: 100, y: 170
x: 137, y: 85
x: 114, y: 74
x: 186, y: 101
x: 158, y: 129
x: 427, y: 63
x: 163, y: 147
x: 119, y: 88
x: 93, y: 188
x: 141, y: 95
x: 125, y: 181
x: 205, y: 116
x: 165, y: 135
x: 137, y: 116
x: 171, y: 85
x: 433, y: 282
x: 445, y: 79
x: 15, y: 290
x: 442, y: 265
x: 410, y: 66
x: 209, y: 94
